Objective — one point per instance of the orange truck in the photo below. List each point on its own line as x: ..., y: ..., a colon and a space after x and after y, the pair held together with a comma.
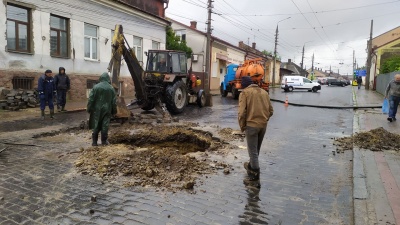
x: 233, y: 78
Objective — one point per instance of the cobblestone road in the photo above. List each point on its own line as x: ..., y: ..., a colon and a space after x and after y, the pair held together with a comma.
x: 302, y: 181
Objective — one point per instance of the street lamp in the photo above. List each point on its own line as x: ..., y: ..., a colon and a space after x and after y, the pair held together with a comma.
x: 276, y: 44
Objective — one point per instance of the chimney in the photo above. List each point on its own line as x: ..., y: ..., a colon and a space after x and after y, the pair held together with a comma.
x: 289, y: 60
x: 253, y: 45
x: 193, y: 24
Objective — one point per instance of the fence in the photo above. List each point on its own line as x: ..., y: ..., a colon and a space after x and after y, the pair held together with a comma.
x: 382, y: 81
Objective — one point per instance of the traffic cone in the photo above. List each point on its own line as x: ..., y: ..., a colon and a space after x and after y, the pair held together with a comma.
x: 286, y: 101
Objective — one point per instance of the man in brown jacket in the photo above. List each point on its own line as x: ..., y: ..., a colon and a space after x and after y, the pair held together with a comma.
x: 255, y: 109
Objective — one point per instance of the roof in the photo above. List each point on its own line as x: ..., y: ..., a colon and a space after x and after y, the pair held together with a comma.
x: 297, y: 70
x: 135, y: 4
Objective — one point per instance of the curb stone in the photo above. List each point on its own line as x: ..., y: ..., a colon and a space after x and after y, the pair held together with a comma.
x: 360, y: 193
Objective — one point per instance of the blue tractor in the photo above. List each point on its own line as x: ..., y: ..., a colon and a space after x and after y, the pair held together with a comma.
x: 228, y: 85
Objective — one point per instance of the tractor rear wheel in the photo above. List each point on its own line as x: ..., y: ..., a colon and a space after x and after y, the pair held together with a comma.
x: 176, y: 97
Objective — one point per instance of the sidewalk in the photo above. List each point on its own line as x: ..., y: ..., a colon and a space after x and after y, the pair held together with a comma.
x: 375, y: 174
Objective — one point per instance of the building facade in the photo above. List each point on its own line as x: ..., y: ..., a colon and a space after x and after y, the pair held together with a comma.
x: 222, y: 52
x: 75, y: 34
x: 384, y: 46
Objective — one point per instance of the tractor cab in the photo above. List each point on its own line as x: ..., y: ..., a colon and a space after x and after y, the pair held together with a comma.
x: 163, y: 61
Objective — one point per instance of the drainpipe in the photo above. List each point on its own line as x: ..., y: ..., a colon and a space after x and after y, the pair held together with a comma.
x: 166, y: 6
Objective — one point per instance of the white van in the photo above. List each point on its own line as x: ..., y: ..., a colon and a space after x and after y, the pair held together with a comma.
x: 290, y: 83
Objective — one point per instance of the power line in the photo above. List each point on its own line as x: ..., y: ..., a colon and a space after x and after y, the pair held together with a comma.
x: 324, y: 11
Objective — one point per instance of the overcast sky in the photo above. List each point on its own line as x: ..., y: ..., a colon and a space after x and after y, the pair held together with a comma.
x: 330, y: 29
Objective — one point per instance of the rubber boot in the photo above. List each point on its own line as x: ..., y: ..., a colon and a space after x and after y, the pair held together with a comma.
x: 95, y: 137
x: 58, y: 109
x: 52, y: 113
x: 104, y: 137
x: 42, y: 115
x: 63, y: 109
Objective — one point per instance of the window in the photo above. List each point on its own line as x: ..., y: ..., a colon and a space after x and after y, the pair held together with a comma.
x: 305, y: 80
x: 90, y: 41
x: 181, y: 34
x: 58, y: 36
x: 18, y: 28
x: 176, y: 66
x: 137, y: 46
x: 157, y: 62
x: 22, y: 83
x: 155, y: 45
x: 182, y: 58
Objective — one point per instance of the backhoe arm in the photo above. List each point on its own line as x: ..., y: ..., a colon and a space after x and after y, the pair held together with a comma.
x: 136, y: 71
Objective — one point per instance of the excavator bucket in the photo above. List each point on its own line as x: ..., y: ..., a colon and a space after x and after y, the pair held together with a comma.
x: 122, y: 110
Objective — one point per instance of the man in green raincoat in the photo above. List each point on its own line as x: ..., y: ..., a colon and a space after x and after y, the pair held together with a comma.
x: 101, y: 106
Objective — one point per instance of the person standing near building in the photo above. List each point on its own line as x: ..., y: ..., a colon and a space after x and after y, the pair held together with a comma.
x: 63, y: 85
x: 255, y: 110
x: 393, y: 95
x: 359, y: 82
x: 101, y: 106
x: 46, y: 90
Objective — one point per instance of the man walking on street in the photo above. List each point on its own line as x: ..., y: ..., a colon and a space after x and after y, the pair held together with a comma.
x: 255, y: 109
x: 63, y: 85
x: 393, y: 94
x: 359, y: 82
x: 101, y: 106
x: 46, y: 90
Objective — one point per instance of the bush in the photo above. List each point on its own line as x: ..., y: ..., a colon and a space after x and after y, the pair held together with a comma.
x: 391, y: 65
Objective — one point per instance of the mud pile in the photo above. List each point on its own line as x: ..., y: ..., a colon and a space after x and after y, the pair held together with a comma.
x: 156, y: 157
x: 375, y: 140
x: 229, y: 134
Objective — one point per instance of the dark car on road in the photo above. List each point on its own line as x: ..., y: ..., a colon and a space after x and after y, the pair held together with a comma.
x: 336, y: 82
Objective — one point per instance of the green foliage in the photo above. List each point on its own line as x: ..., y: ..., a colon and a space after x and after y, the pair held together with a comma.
x: 390, y: 65
x: 265, y: 52
x: 174, y: 43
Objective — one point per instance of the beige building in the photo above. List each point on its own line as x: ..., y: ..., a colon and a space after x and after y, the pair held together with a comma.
x: 384, y: 46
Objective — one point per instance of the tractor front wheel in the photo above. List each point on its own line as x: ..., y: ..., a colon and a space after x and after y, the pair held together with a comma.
x: 176, y: 97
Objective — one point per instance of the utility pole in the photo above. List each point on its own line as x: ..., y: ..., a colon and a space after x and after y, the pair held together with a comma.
x: 354, y: 64
x: 274, y: 65
x: 276, y: 44
x: 208, y: 59
x: 302, y: 58
x: 312, y: 65
x: 369, y: 57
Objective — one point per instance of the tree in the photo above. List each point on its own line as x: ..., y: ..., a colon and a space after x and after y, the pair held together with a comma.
x: 390, y: 65
x: 265, y: 52
x: 175, y: 43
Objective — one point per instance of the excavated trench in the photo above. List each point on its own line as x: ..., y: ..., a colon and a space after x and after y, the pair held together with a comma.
x: 164, y: 156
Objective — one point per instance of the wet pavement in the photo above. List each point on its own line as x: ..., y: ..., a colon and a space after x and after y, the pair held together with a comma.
x: 302, y: 181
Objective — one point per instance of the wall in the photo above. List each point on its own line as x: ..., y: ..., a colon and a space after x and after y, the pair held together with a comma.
x: 104, y: 14
x: 196, y: 41
x: 386, y: 37
x: 382, y: 81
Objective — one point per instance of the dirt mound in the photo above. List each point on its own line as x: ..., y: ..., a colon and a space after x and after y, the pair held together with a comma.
x: 231, y: 134
x: 375, y: 140
x: 154, y: 157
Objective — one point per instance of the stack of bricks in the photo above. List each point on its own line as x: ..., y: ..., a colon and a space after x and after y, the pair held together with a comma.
x: 18, y: 99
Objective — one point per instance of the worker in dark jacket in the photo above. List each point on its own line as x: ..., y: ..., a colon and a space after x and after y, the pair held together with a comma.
x: 63, y: 85
x: 255, y: 110
x: 101, y: 106
x: 46, y: 90
x: 359, y: 82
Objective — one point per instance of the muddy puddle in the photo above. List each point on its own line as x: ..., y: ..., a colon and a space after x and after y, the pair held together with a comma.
x: 377, y: 139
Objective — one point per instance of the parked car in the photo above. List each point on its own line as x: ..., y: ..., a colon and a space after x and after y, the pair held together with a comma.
x: 336, y: 82
x: 290, y: 83
x: 322, y: 80
x: 348, y: 82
